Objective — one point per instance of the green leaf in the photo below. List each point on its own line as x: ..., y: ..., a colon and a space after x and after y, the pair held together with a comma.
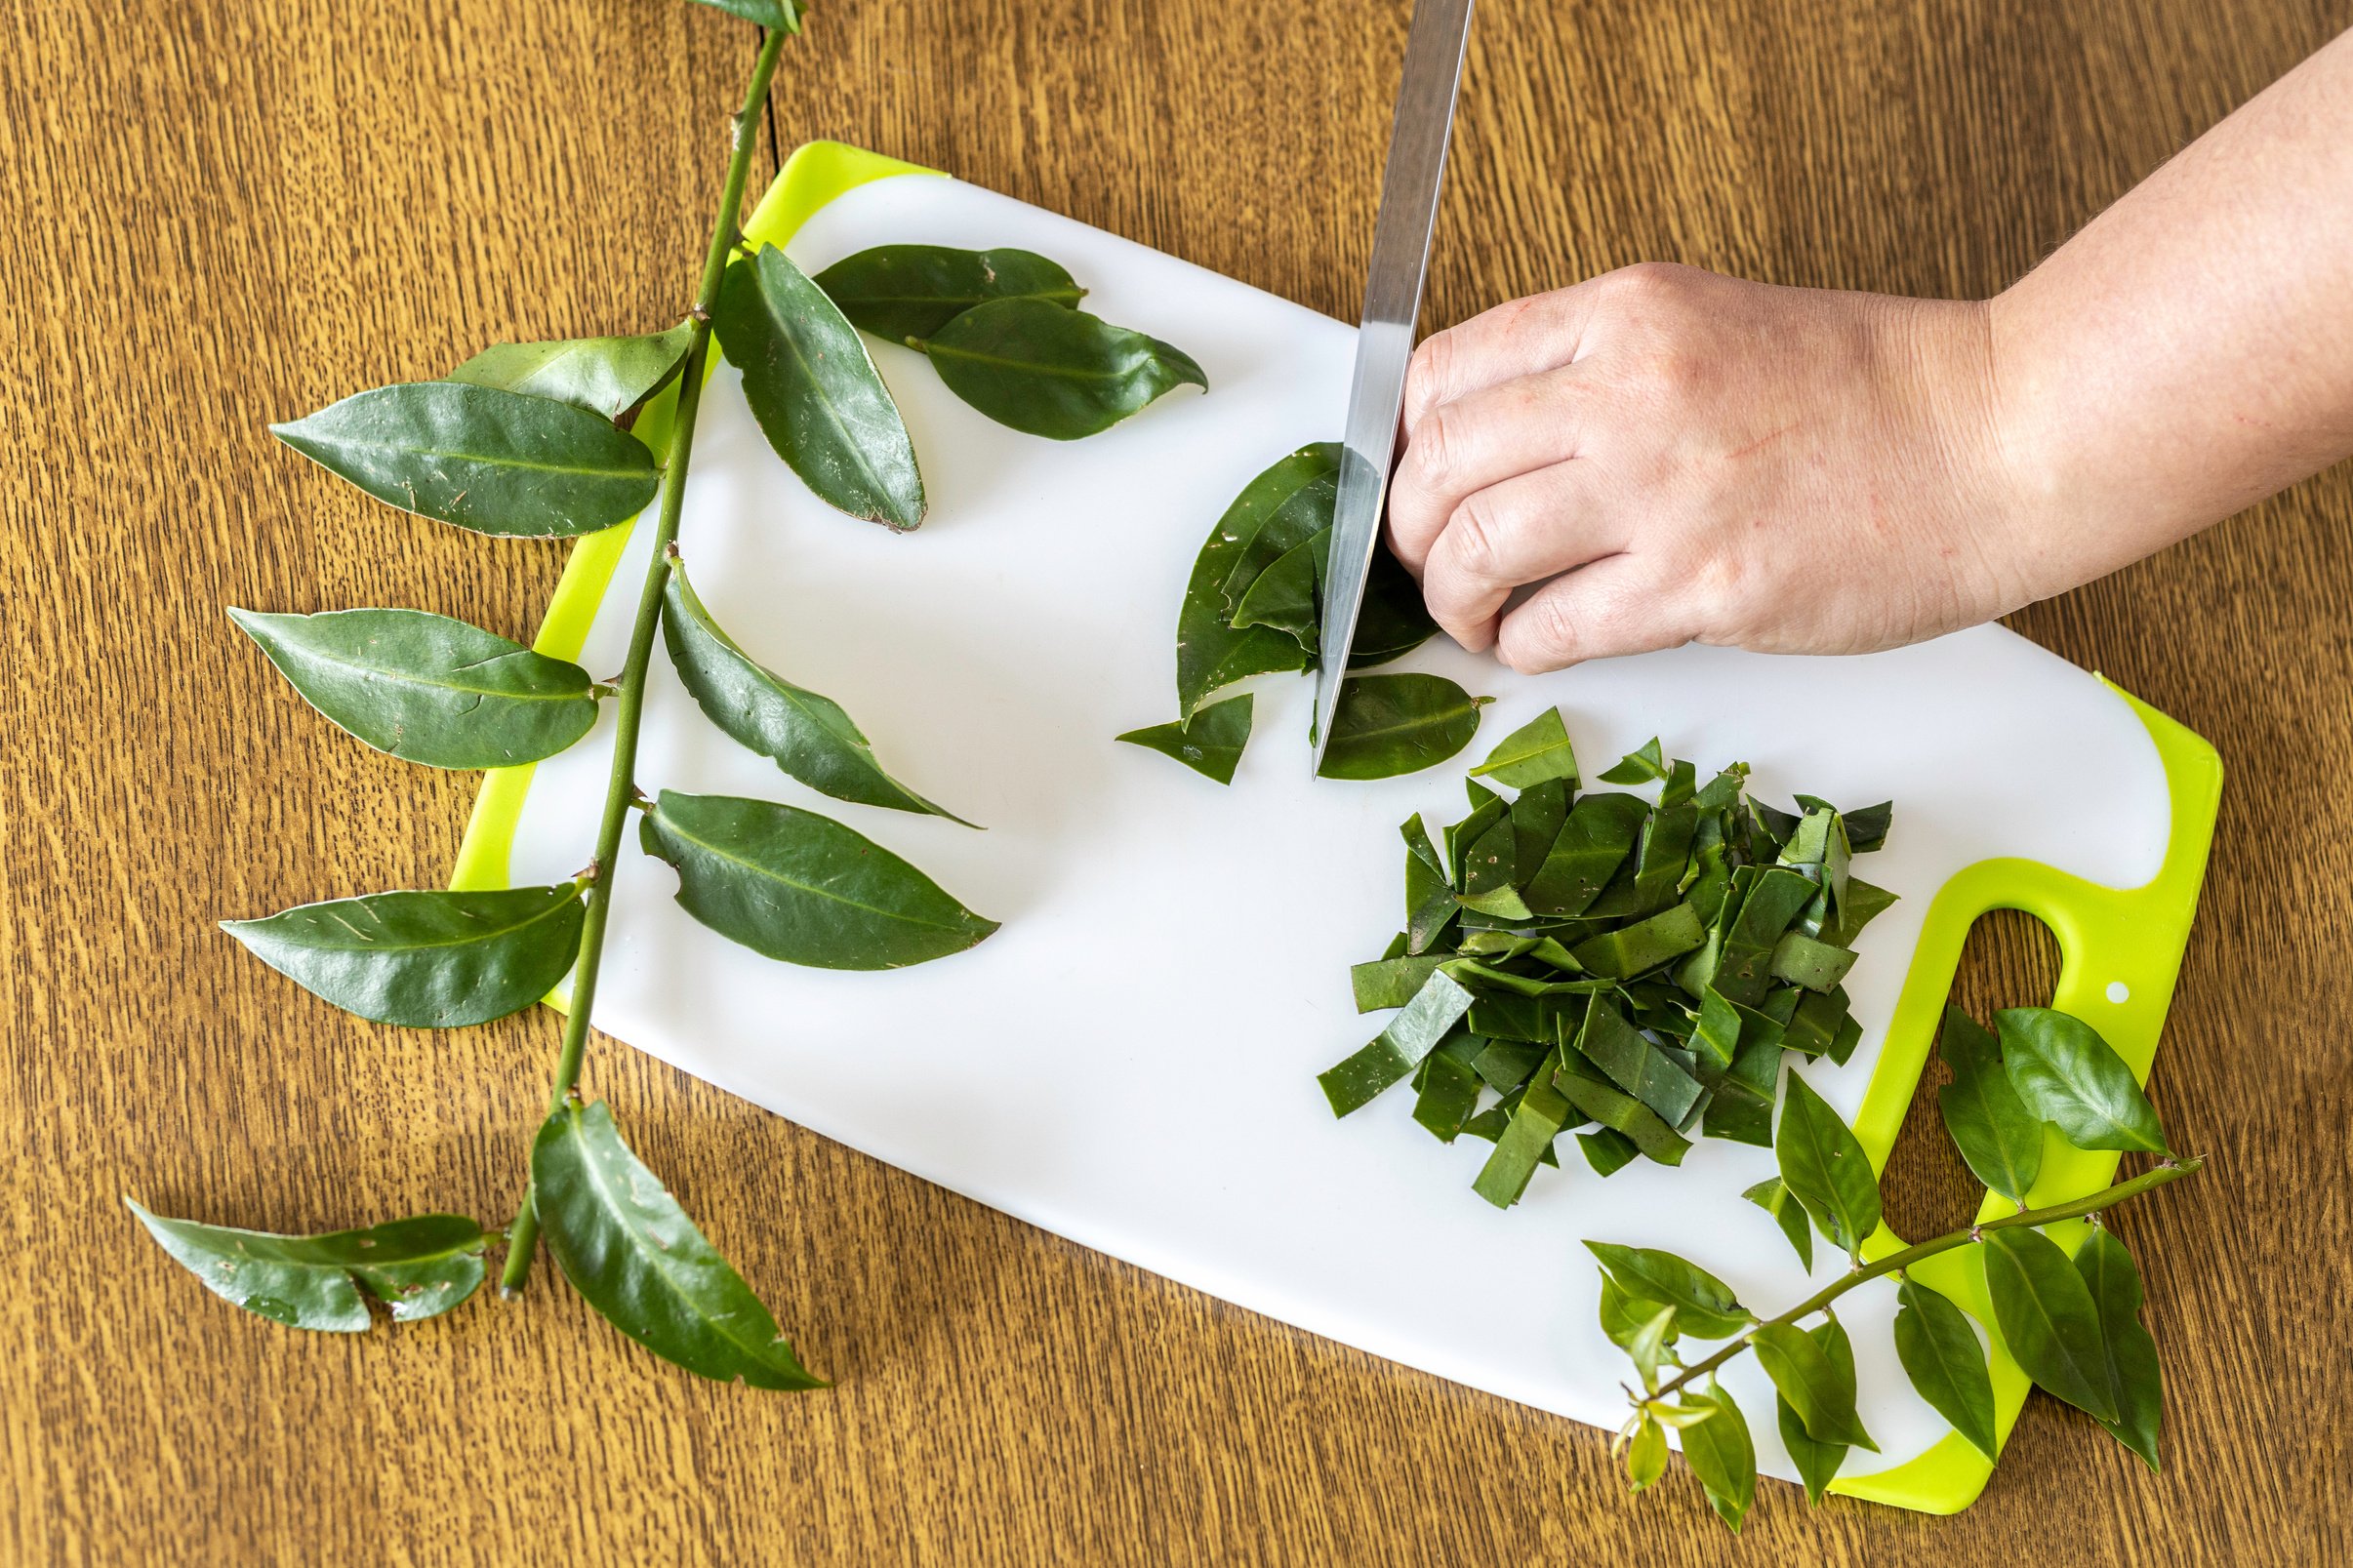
x: 1773, y: 1197
x: 420, y: 1268
x: 607, y: 375
x: 2133, y: 1374
x: 427, y: 959
x: 1536, y: 751
x: 1047, y: 370
x: 1946, y: 1364
x: 1800, y: 960
x: 1535, y: 1122
x: 1394, y: 618
x: 1537, y: 818
x: 1450, y: 1088
x: 2048, y: 1318
x: 1398, y: 1048
x: 1595, y: 1095
x: 1743, y: 970
x: 816, y: 392
x: 796, y: 886
x: 1863, y: 904
x: 484, y: 459
x: 1386, y: 725
x: 1284, y: 595
x: 1631, y: 1062
x: 1429, y: 907
x: 1623, y: 1315
x: 1818, y: 1387
x: 1651, y: 1346
x: 1607, y: 1150
x: 1709, y: 1309
x: 1596, y: 838
x: 907, y: 293
x: 1210, y: 742
x: 427, y: 688
x: 1642, y: 946
x: 1647, y: 1454
x: 1211, y: 654
x: 1721, y: 1454
x: 807, y: 736
x: 2000, y: 1138
x: 784, y: 14
x: 1826, y: 1168
x: 1638, y: 767
x: 631, y: 1250
x: 2067, y: 1074
x: 1817, y: 1462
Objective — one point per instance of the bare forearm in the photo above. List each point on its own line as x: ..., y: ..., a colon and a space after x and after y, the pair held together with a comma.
x: 2190, y: 350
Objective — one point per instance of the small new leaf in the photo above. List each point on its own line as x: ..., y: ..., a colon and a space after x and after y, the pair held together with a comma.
x: 784, y: 14
x: 1647, y: 1454
x: 420, y: 1268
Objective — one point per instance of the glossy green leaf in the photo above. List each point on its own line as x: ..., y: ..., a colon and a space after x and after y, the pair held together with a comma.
x: 1429, y: 907
x: 1720, y: 1452
x: 1531, y: 754
x: 793, y: 885
x: 907, y: 293
x: 1398, y: 1048
x: 1709, y: 1309
x: 1392, y: 619
x: 815, y: 392
x: 806, y: 735
x: 607, y: 375
x: 1211, y: 654
x: 1449, y: 1091
x: 2133, y: 1374
x: 1284, y: 597
x: 1595, y: 1095
x: 1817, y: 1462
x: 1652, y: 1347
x: 1800, y: 960
x: 1624, y: 1315
x: 1210, y: 742
x: 2068, y: 1075
x: 784, y: 14
x: 1947, y: 1366
x: 1825, y: 1167
x: 1386, y: 725
x: 2048, y: 1318
x: 1596, y: 838
x: 1661, y: 858
x: 1607, y: 1150
x: 631, y: 1251
x: 1537, y: 818
x: 1538, y: 1119
x: 1818, y: 1387
x: 1773, y: 1197
x: 1631, y: 1062
x: 1047, y: 370
x: 426, y: 959
x: 1642, y: 946
x: 2000, y: 1138
x: 1743, y: 970
x: 420, y: 1268
x: 1647, y: 1453
x: 482, y: 458
x: 427, y: 688
x: 1638, y: 767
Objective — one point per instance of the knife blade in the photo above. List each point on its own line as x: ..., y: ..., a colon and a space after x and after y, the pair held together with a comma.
x: 1393, y: 301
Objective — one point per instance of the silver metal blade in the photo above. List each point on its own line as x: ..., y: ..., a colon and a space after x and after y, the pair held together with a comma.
x: 1393, y: 300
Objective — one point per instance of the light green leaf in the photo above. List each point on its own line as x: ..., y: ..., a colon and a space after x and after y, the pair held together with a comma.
x: 784, y: 14
x: 1946, y: 1364
x: 2067, y: 1074
x: 1650, y: 1348
x: 1709, y: 1309
x: 1721, y: 1454
x: 1047, y: 370
x: 420, y: 1268
x: 607, y: 375
x: 1647, y: 1454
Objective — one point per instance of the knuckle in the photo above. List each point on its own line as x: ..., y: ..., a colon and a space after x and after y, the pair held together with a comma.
x: 1475, y: 544
x: 1541, y: 636
x: 1429, y: 373
x: 1436, y: 446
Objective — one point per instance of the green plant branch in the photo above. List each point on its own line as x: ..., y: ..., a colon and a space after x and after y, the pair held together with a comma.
x: 1895, y: 1262
x: 621, y: 787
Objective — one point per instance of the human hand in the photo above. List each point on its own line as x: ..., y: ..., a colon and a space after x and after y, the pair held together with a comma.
x: 1675, y: 455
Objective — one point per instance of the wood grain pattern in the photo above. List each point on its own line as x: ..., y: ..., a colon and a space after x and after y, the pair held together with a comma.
x: 223, y: 212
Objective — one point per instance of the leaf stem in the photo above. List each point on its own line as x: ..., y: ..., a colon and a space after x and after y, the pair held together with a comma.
x: 621, y: 788
x: 1895, y: 1262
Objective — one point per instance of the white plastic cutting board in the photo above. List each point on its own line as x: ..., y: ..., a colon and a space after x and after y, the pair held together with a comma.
x: 1131, y: 1061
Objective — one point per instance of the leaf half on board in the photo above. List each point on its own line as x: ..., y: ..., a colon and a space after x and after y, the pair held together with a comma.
x: 427, y: 688
x: 482, y: 458
x: 427, y: 959
x: 815, y: 392
x: 420, y: 1268
x: 607, y: 375
x: 1825, y: 1167
x: 1386, y: 725
x: 907, y: 292
x: 1048, y: 369
x: 796, y: 886
x: 2000, y: 1138
x: 631, y: 1250
x: 806, y: 735
x: 1210, y: 742
x: 1941, y: 1355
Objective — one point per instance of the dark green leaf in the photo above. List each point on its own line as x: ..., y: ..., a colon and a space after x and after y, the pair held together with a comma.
x: 1607, y: 1150
x: 1773, y: 1197
x: 816, y: 392
x: 1632, y: 1062
x: 1813, y: 1028
x: 1386, y: 725
x: 1284, y: 595
x: 2133, y: 1374
x: 1211, y: 655
x: 1818, y: 1387
x: 1721, y: 1454
x: 1531, y: 754
x: 1660, y: 859
x: 1743, y: 969
x: 427, y: 688
x: 1817, y: 1462
x: 1595, y: 1095
x: 1946, y: 1364
x: 2067, y: 1074
x: 784, y: 14
x: 1826, y: 1168
x: 1538, y: 1119
x: 1393, y: 981
x: 1210, y: 742
x: 1449, y: 1092
x: 1642, y: 946
x: 420, y: 1268
x: 1740, y: 1103
x: 2048, y: 1318
x: 1051, y: 371
x: 1490, y: 867
x: 1862, y: 903
x: 1392, y: 619
x: 1430, y: 905
x: 1800, y: 960
x: 1709, y: 1310
x: 607, y: 375
x: 793, y: 885
x: 907, y: 293
x: 484, y: 459
x: 1593, y: 843
x: 807, y: 736
x: 1866, y: 829
x: 1505, y: 1065
x: 1537, y: 818
x: 1398, y: 1048
x: 631, y: 1250
x: 1638, y: 767
x: 427, y: 959
x: 2000, y: 1138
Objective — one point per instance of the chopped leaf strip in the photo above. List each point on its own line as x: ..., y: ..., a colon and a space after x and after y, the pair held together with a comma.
x: 1634, y: 1064
x: 1543, y: 1111
x: 1595, y: 1095
x: 1607, y: 1150
x: 1642, y: 946
x: 1391, y: 1054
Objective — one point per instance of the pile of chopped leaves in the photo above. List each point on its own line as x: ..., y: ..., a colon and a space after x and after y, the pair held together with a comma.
x: 1598, y: 963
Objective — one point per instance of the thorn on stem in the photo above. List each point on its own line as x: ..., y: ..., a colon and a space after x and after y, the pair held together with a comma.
x: 697, y: 312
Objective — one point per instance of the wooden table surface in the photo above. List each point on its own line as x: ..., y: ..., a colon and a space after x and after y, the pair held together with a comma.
x: 225, y: 212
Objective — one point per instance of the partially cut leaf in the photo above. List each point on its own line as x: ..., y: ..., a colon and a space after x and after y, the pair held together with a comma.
x: 2000, y: 1138
x: 1386, y: 725
x: 1825, y: 1167
x: 2048, y: 1318
x: 1638, y: 767
x: 2068, y: 1075
x: 482, y: 458
x: 1047, y: 370
x: 427, y: 959
x: 607, y: 375
x: 1773, y: 1197
x: 420, y: 1268
x: 1210, y: 654
x: 426, y: 688
x: 802, y: 888
x: 1210, y: 742
x: 1941, y: 1355
x: 631, y: 1251
x: 2133, y: 1374
x: 907, y: 292
x: 1536, y: 751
